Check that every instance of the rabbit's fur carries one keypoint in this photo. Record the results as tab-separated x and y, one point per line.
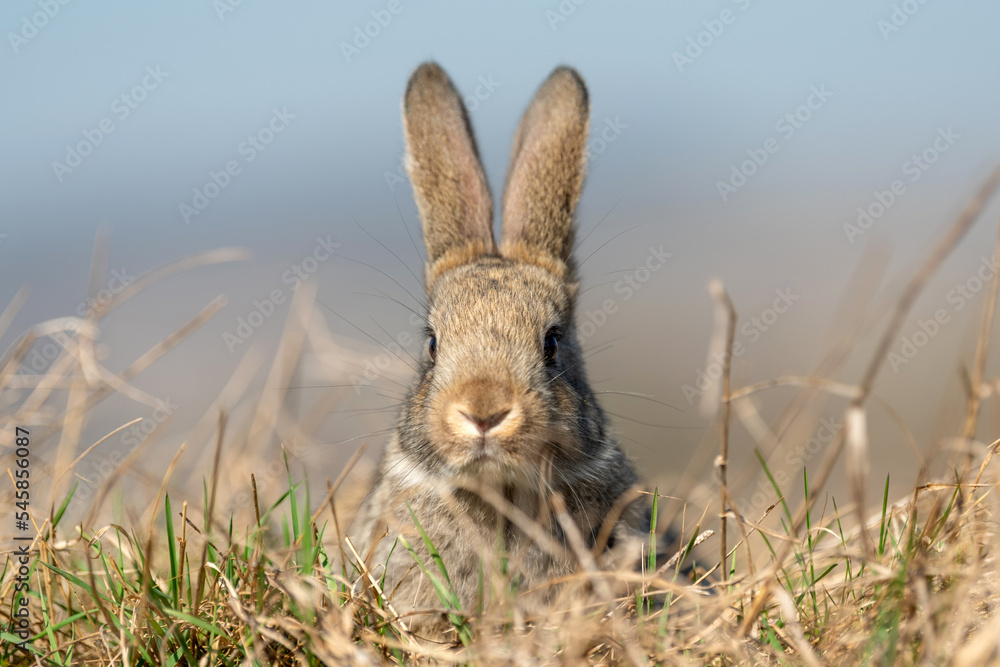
490	411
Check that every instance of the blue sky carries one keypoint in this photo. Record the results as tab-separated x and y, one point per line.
227	70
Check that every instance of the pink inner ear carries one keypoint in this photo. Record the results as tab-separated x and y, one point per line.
447	177
479	205
546	174
515	214
543	187
527	178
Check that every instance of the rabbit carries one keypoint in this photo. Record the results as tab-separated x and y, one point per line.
501	414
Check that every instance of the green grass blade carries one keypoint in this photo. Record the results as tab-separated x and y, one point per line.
172	550
883	528
443	586
64	505
774	484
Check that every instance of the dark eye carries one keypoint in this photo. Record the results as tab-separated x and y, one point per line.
551	347
432	347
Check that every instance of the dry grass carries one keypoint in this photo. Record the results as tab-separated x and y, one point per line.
195	582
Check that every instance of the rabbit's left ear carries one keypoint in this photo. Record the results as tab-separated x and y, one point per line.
444	168
548	163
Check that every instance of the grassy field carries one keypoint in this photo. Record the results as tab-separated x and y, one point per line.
186	582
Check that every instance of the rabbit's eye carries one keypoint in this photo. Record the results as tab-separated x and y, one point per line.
432	346
551	346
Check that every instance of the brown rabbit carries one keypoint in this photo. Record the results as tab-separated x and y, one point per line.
501	408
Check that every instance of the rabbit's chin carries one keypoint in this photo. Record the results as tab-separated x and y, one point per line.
492	460
488	458
495	472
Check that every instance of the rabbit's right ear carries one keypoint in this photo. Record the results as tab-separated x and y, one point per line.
448	180
547	167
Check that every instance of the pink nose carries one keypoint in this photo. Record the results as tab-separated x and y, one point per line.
484	424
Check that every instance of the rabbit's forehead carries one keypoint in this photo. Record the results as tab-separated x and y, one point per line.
508	296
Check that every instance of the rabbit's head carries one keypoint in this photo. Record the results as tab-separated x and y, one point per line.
502	389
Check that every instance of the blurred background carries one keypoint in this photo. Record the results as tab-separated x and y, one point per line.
786	148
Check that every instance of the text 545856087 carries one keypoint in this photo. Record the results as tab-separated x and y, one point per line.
22	525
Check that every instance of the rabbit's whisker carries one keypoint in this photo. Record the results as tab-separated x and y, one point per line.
374	268
639	421
423	459
599	222
383	375
402	220
590	287
638	443
383	295
389	336
600	247
389	250
403	459
393	409
376	408
394	394
605	348
634	394
560	374
382	431
317	386
373	338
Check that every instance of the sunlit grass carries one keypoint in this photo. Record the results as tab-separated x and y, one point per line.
188	583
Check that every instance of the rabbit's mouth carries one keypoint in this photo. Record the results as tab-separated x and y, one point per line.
494	467
486	439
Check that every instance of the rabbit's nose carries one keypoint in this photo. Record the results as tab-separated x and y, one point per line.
484	424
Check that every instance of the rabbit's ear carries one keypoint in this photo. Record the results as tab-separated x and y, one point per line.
443	164
548	162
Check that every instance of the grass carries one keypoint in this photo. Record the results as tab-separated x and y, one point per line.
194	582
248	600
